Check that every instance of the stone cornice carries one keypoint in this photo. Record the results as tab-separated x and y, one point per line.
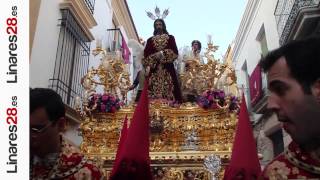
82	14
124	18
245	25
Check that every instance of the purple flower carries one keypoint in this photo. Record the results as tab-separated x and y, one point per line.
103	108
221	95
112	99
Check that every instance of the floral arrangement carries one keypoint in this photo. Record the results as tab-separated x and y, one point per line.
213	99
234	104
105	102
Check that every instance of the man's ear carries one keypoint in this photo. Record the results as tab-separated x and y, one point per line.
315	89
61	124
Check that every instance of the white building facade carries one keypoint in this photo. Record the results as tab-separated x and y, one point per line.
63	34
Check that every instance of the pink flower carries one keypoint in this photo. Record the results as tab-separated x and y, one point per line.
104	97
210	97
113	109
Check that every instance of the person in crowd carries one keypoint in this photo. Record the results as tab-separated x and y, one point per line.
196	50
293	73
139	82
51	155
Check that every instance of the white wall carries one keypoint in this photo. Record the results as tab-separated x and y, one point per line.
258	13
103	16
43	53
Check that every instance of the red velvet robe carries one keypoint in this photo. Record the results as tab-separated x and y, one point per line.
163	83
294	163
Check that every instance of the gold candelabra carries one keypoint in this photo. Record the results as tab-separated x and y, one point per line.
111	74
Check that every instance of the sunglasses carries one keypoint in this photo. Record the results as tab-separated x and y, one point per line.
40	128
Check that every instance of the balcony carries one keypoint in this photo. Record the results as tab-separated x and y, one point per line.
90	5
118	42
296	18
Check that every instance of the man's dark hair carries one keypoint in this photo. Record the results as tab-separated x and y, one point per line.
303	60
196	41
164	28
48	99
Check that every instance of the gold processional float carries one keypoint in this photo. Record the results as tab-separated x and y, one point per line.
189	141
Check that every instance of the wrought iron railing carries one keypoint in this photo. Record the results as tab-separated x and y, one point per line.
116	37
286	13
72	59
90	5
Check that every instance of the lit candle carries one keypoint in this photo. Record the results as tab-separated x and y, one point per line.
87	83
77	102
209	37
86	95
118	54
98	43
105	64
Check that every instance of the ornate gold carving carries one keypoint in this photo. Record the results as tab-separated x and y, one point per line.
172	130
150	61
160	41
169	56
200	77
161	86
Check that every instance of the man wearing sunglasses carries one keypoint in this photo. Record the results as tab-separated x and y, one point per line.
51	156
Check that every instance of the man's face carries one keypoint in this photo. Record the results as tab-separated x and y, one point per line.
195	46
42	131
298	112
159	26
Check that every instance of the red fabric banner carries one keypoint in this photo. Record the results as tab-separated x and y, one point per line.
125	51
255	82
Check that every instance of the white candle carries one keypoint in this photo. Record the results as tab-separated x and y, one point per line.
118	53
209	39
98	43
77	102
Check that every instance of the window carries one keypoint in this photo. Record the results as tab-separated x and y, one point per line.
72	59
261	38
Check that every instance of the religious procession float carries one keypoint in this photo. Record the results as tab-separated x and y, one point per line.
191	140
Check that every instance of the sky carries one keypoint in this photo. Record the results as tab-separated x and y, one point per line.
190	20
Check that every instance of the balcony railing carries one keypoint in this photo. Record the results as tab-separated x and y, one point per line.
286	13
115	39
90	5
